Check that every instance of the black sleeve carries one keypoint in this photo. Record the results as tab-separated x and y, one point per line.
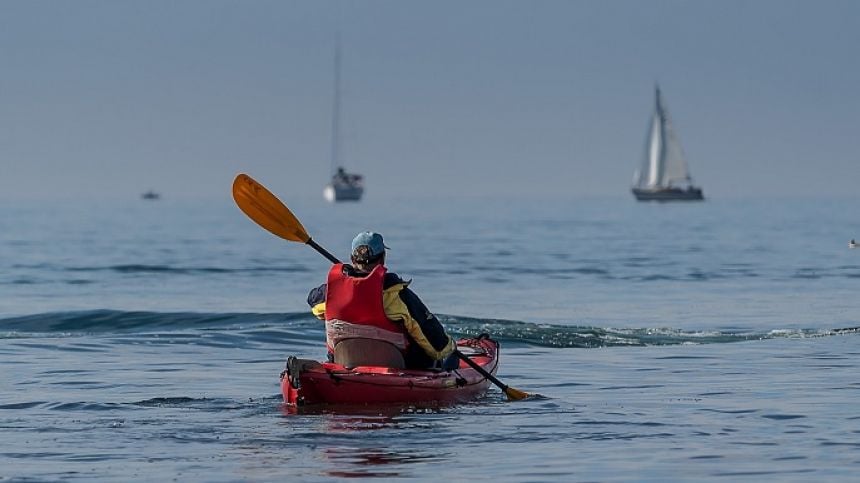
317	296
391	279
430	325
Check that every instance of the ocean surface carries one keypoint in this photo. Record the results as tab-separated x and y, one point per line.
716	341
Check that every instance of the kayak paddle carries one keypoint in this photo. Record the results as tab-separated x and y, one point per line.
512	393
270	213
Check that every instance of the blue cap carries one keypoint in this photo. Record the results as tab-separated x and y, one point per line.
372	240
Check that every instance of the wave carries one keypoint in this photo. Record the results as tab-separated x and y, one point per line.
168	269
632	269
116	321
551	335
626	274
303	326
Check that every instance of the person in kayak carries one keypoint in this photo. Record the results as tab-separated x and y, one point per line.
363	301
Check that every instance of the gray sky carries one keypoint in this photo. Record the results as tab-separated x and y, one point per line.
110	98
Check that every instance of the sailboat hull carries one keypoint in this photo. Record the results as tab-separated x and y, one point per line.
668	194
334	194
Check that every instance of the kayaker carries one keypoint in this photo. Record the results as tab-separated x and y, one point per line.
364	301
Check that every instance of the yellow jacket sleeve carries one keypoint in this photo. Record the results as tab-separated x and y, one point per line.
319	310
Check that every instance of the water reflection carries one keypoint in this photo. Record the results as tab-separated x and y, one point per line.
370	462
377	426
361	410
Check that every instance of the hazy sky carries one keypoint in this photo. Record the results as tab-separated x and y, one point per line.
110	98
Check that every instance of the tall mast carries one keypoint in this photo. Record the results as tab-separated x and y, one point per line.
335	116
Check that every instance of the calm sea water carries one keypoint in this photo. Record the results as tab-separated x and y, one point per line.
143	341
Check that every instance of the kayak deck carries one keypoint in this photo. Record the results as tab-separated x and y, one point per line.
310	382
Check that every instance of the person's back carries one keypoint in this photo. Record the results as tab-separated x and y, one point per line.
367	309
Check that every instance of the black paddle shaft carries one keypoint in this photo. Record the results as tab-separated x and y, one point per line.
474	365
322	251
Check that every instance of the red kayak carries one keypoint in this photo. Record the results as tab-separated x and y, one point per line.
311	382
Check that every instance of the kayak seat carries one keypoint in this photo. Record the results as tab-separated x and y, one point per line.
368	352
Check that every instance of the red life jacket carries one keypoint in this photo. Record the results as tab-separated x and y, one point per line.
353	309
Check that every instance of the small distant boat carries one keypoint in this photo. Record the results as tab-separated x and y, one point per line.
150	195
343	186
664	175
853	244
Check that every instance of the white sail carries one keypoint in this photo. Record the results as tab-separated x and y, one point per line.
674	166
664	163
655	150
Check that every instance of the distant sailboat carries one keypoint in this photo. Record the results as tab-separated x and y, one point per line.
664	175
343	186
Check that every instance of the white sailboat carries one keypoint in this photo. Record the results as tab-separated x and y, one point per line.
664	175
343	186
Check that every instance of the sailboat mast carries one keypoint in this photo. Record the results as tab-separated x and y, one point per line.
335	116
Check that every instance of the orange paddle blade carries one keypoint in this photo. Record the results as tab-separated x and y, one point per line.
267	210
515	394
